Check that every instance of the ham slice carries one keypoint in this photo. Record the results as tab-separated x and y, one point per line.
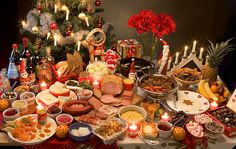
112	85
107	99
89	119
95	103
98	114
108	109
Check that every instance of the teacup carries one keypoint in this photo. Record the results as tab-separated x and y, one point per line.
164	129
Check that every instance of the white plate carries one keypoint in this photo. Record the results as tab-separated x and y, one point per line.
72	95
37	141
189	102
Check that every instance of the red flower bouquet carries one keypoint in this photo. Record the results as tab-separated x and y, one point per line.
152	26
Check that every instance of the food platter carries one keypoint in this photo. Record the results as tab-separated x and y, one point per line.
72	96
38	139
165	84
189	102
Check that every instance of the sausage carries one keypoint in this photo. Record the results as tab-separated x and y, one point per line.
66	107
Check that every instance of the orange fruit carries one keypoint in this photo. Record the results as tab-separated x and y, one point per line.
214	88
4	104
226	93
61	131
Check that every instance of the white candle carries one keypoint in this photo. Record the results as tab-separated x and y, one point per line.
55	8
177	57
185	51
201	52
165	117
48	35
43	86
79	44
55	40
169	63
206	62
87	22
194	46
96	84
67	14
96	59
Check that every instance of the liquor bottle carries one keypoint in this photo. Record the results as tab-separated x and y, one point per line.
45	72
12	72
132	69
30	70
26	52
17	56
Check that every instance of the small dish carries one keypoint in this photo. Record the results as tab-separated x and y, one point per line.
11	114
214	129
64	119
22	105
84	94
164	129
72	84
29	97
80	132
20	89
9	96
54	111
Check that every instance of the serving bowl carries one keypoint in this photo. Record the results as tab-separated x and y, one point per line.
84	94
22	88
75	128
214	129
142	66
132	114
29	97
64	119
157	84
22	105
9	96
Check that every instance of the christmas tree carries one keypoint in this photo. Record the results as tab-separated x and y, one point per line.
63	25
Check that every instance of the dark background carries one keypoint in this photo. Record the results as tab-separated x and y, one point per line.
196	20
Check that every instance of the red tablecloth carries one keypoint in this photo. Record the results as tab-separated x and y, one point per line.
66	143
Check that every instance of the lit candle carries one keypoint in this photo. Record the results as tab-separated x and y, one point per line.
79	44
82	16
177	57
133	130
55	40
206	62
169	63
201	52
23	24
48	35
165	117
213	105
96	84
96	59
43	86
87	22
64	8
55	8
35	29
67	14
194	46
185	51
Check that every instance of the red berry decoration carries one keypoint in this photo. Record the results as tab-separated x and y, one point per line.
97	2
99	25
53	26
39	7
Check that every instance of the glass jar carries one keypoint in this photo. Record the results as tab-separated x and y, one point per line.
45	72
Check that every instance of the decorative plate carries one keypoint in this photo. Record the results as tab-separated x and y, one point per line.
72	95
38	139
189	102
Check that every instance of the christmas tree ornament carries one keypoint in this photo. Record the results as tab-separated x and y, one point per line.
53	26
97	2
165	58
99	25
39	7
38	43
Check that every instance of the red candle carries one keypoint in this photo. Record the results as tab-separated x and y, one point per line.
133	130
213	105
165	117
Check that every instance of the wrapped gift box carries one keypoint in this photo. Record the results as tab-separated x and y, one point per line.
129	48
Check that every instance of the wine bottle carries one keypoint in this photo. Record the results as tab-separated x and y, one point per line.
17	56
26	54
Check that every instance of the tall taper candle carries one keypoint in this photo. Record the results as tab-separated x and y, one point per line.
177	58
194	46
67	14
55	8
79	44
55	40
201	52
185	51
169	63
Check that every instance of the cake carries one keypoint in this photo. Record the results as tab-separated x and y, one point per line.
47	99
149	131
59	89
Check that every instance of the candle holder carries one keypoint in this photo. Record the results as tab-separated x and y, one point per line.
165	117
133	130
43	85
96	84
213	105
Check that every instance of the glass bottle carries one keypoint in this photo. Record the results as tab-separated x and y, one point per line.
17	56
45	72
12	72
26	54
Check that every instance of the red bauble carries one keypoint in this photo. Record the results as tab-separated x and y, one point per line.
39	7
53	26
97	2
99	25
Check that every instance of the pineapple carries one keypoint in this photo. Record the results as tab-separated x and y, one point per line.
215	54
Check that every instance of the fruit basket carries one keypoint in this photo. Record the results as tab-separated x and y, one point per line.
226	117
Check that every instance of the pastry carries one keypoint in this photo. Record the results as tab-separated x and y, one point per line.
150	108
59	89
149	131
